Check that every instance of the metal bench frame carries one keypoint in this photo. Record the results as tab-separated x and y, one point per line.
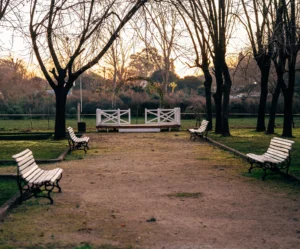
278	156
76	142
32	180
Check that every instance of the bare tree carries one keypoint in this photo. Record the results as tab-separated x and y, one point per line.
279	61
291	41
201	45
219	19
258	26
117	59
161	31
69	37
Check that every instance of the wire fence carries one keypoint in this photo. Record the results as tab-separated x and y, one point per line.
46	123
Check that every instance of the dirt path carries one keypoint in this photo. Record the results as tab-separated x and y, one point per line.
193	195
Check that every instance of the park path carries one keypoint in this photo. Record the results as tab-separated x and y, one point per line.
158	190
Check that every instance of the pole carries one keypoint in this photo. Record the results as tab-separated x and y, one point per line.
80	80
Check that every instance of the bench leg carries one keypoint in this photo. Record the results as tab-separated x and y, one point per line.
250	169
48	187
57	184
265	174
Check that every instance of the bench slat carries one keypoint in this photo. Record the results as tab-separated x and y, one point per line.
283	150
56	176
284	140
30	171
43	178
258	158
48	176
282	143
33	175
26	165
278	153
20	154
23	157
36	176
274	158
279	145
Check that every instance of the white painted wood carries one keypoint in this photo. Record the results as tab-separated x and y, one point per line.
139	130
112	117
163	116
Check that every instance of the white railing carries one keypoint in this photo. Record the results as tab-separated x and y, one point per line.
162	116
113	117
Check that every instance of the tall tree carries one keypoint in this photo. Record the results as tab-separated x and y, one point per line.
279	61
200	40
219	17
292	46
286	42
257	24
161	30
116	60
69	37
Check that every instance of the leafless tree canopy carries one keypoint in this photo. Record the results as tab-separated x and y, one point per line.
71	36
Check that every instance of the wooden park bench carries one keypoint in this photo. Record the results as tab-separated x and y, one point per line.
76	142
276	157
200	132
32	180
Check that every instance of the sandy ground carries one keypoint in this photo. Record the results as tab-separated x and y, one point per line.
158	190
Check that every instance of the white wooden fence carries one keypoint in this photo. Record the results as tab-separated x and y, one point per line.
152	116
162	116
113	117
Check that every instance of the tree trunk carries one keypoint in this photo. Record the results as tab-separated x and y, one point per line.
280	69
265	70
272	114
218	99
207	84
60	116
288	115
226	100
288	94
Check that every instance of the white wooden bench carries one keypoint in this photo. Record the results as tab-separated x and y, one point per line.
200	132
276	157
32	180
76	142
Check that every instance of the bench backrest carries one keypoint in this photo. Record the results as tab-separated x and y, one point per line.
72	133
280	148
203	126
26	164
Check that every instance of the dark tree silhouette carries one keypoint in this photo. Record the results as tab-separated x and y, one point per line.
69	37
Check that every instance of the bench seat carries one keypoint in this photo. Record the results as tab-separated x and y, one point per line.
32	180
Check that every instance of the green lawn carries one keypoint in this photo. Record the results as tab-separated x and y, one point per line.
45	125
42	149
248	140
8	187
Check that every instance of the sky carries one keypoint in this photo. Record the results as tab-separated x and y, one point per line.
22	49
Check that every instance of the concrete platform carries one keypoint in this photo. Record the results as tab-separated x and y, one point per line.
139	127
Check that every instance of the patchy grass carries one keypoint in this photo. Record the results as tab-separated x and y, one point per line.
58	246
45	125
42	149
248	140
186	195
8	188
